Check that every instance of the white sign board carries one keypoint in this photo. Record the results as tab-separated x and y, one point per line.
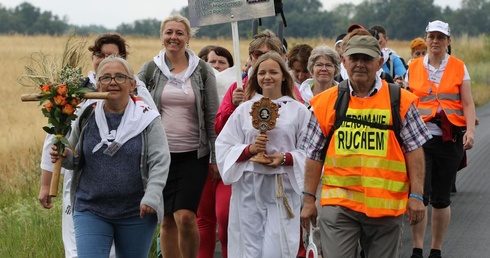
208	12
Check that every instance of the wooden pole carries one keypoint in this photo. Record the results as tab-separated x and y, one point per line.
55	177
87	95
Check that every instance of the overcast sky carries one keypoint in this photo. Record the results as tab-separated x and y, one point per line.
111	13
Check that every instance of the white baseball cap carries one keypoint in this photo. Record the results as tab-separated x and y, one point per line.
438	26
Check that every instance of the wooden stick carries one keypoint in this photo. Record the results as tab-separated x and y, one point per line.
55	178
87	95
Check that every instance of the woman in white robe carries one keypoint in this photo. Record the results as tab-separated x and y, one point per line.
265	203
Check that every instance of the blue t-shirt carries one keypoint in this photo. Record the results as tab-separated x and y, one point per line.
398	66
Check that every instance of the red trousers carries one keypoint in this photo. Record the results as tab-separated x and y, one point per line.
213	211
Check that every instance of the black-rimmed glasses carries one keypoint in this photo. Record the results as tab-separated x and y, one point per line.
319	65
107	79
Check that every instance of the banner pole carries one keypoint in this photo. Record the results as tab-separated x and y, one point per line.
236	49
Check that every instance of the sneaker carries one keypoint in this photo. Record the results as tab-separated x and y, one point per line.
416	256
435	256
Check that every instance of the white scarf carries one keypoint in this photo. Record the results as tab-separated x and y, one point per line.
193	63
137	116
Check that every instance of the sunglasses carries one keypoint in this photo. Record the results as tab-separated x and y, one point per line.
257	53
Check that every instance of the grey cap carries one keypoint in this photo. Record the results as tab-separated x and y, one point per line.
361	44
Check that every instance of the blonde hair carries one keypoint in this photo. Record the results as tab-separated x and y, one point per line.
179	18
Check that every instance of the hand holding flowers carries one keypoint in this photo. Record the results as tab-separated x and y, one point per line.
60	94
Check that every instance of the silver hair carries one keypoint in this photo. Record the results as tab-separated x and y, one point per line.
328	53
113	58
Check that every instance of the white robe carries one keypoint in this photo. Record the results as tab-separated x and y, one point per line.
258	223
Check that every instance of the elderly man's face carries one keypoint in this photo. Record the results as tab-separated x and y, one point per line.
362	68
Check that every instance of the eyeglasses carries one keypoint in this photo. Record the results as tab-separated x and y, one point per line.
107	79
420	53
257	53
326	65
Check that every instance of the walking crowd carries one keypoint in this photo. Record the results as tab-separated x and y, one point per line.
334	146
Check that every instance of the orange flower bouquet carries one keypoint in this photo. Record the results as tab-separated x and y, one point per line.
60	94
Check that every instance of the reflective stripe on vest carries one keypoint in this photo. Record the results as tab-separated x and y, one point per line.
441	96
388	206
368	162
371	182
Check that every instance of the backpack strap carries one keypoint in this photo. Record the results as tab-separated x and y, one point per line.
204	69
340	108
204	78
338	78
395	93
392	66
150	76
86	114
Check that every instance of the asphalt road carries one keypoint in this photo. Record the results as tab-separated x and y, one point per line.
468	235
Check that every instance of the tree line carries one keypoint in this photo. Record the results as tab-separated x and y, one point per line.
403	19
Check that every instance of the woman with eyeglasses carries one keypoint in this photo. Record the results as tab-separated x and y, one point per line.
120	161
187	99
324	65
105	45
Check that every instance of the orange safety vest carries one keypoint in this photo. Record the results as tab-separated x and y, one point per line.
447	95
364	167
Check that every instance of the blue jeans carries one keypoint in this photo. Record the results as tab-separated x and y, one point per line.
94	235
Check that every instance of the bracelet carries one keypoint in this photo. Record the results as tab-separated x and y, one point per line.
310	194
416	196
283	158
